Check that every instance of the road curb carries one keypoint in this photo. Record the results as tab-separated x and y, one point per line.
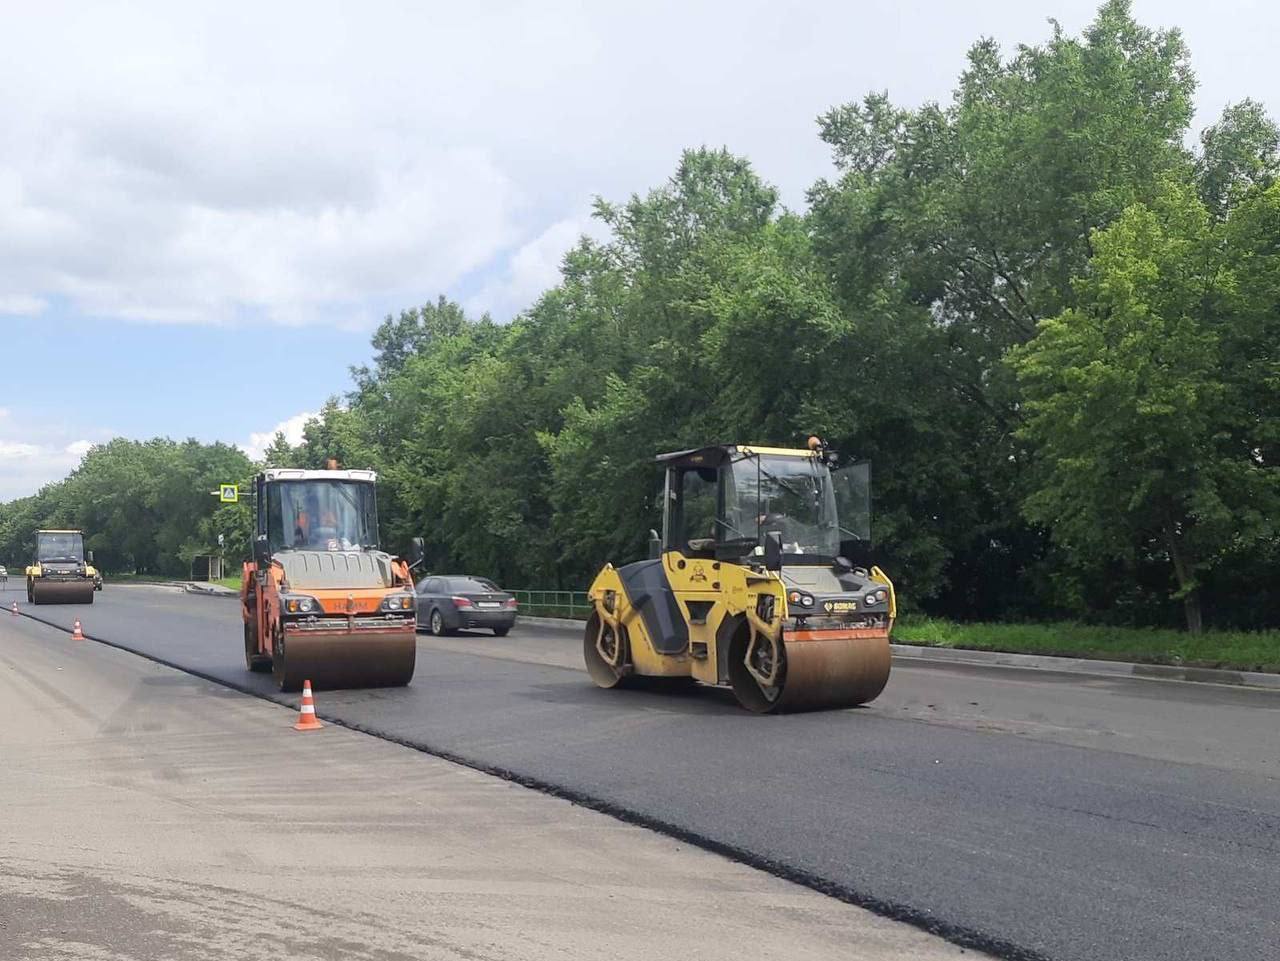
1090	666
209	590
561	623
1038	662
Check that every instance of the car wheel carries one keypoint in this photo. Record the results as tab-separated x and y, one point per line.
501	631
437	622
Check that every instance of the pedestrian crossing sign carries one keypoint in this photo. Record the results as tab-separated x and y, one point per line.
230	493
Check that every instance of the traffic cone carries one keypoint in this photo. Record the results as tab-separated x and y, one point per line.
76	633
14	610
307	720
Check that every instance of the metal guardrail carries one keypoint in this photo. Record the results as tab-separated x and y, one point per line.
553	603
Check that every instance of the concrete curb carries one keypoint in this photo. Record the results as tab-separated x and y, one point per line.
1097	668
212	590
560	623
1039	662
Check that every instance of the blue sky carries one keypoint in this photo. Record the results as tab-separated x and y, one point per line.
205	211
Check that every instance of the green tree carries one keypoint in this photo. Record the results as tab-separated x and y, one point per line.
951	231
1137	448
1239	154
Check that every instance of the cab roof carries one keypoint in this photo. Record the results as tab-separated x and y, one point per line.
297	474
716	454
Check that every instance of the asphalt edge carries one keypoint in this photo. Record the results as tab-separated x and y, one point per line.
1095	667
959	935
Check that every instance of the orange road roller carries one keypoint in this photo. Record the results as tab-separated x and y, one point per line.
321	600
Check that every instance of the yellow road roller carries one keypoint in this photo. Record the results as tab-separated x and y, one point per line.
753	584
61	572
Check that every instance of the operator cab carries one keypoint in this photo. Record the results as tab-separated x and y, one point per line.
732	503
318	510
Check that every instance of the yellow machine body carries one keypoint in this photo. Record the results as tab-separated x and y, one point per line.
811	633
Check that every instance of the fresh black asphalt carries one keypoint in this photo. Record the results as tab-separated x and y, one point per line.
1019	846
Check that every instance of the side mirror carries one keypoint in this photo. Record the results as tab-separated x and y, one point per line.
89	557
655	546
419	552
262	552
773	551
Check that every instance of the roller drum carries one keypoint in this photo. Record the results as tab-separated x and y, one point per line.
335	661
819	673
44	591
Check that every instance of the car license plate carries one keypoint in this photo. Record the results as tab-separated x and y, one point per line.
489	604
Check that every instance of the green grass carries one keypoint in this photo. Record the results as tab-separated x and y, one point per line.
1234	650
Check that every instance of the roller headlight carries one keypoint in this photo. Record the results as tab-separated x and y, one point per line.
301	605
800	598
397	602
870	598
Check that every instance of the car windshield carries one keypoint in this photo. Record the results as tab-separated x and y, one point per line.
59	546
472	585
321	515
791	495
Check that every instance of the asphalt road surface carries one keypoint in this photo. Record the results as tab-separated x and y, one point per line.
150	814
1031	814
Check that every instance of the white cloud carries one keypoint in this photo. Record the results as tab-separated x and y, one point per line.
36	450
21	305
291	428
322	162
534	266
11	450
26	467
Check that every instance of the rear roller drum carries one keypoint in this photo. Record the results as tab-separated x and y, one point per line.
605	651
254	659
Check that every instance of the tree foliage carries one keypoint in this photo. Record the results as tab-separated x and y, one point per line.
145	506
1049	324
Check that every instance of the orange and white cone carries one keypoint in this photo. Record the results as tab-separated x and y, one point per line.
14	610
76	633
307	720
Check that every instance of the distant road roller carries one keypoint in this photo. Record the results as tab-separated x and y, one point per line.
61	572
753	584
321	600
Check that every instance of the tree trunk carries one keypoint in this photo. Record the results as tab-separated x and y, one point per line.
1183	569
1191	605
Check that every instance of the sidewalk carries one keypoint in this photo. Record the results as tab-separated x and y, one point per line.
154	815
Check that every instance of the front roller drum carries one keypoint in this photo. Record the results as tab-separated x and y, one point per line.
61	592
335	661
811	674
